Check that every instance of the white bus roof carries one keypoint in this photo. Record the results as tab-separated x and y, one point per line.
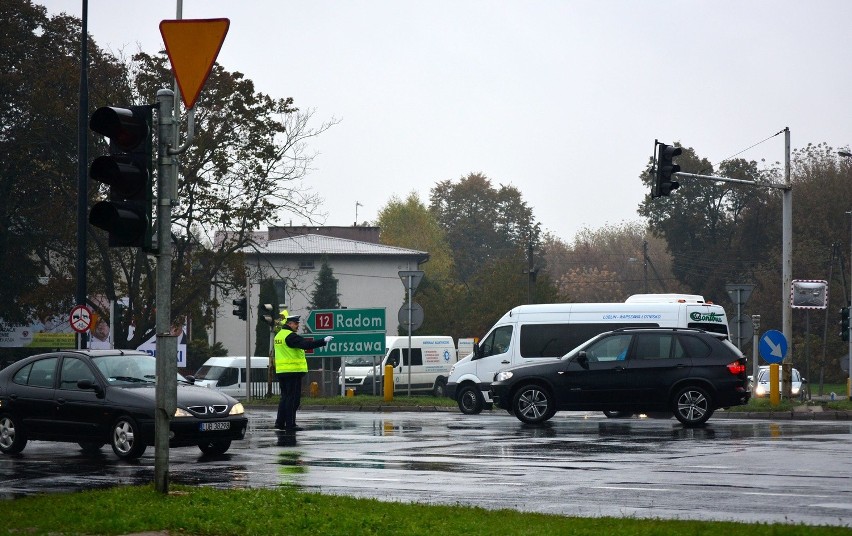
665	298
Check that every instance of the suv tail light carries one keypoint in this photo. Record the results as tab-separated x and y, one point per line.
737	367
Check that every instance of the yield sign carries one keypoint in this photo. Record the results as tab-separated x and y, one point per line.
410	278
192	46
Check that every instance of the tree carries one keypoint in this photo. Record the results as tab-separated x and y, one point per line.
608	264
325	295
410	224
483	224
242	171
701	222
38	171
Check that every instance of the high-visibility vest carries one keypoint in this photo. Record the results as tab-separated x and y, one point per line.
288	359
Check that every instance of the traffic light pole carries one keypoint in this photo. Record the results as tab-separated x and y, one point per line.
849	303
166	389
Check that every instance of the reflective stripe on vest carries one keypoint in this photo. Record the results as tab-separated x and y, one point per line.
288	359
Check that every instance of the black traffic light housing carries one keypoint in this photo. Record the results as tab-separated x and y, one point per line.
241	310
269	313
126	215
663	183
844	324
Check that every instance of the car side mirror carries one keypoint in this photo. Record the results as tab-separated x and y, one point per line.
190	379
583	359
477	351
87	384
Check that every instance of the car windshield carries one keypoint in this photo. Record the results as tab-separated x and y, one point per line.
207	372
763	375
137	369
127	369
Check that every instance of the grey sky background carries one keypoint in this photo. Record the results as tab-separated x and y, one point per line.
562	99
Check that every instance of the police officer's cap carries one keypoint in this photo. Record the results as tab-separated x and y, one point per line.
295	318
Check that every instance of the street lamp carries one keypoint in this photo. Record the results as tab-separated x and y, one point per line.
849	379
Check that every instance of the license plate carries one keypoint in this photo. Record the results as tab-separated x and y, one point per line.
208	426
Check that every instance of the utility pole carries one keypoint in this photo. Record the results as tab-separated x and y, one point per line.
166	389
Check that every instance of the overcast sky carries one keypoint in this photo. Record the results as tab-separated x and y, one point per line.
561	99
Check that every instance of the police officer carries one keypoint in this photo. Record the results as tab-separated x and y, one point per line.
290	367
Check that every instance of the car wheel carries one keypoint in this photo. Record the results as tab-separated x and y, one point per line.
440	389
215	447
470	400
12	436
125	442
613	414
533	405
90	447
692	406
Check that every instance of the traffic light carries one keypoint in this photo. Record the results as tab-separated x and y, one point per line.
663	183
126	215
844	324
270	313
267	313
241	310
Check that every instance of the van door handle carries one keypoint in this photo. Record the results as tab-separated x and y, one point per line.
505	362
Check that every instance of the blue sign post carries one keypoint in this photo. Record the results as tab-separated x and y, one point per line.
772	346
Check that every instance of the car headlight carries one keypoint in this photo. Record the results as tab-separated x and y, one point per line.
180	412
238	409
795	389
760	390
503	376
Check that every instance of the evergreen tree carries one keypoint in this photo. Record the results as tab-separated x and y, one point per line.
325	295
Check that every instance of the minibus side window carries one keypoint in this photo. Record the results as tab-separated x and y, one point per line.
228	377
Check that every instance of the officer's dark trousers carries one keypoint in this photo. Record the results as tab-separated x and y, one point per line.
291	398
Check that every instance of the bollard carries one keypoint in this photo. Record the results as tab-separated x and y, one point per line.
774	392
388	383
350	392
314	389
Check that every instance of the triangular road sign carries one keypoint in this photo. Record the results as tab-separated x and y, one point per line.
192	46
411	278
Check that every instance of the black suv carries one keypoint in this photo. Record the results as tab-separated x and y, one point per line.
688	372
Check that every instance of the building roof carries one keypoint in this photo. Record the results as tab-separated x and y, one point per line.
312	244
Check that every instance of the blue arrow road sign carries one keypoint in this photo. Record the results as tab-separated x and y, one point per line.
772	346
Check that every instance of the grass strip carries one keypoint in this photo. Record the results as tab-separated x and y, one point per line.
207	511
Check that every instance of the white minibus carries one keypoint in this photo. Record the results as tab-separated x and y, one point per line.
528	333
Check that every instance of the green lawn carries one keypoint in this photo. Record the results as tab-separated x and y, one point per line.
206	511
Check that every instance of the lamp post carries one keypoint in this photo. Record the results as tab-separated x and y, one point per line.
847	154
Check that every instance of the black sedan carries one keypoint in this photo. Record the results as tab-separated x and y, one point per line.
687	372
97	397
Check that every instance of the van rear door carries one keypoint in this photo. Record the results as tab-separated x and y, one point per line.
707	317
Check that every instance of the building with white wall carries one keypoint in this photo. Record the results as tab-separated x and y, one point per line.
367	275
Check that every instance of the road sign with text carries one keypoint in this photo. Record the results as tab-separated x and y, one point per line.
350	344
346	320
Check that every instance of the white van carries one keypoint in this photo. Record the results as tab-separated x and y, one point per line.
530	333
432	357
228	374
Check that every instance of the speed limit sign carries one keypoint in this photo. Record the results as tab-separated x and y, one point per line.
80	319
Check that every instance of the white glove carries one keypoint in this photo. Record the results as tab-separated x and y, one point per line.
328	339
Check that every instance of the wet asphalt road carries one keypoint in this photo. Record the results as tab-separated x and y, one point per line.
578	464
